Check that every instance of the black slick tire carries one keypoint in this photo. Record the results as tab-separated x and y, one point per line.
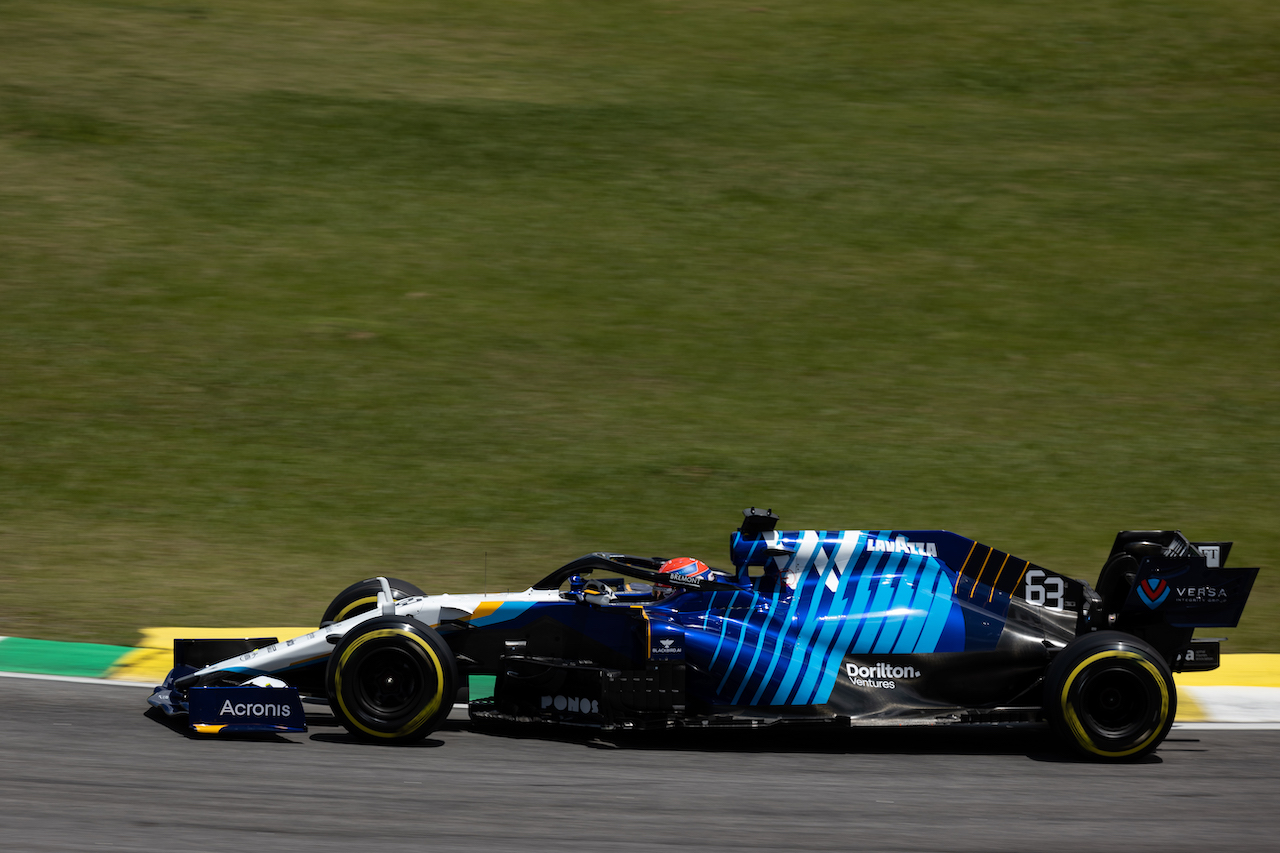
391	680
1110	696
362	596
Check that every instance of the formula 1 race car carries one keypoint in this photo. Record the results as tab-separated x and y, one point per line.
835	627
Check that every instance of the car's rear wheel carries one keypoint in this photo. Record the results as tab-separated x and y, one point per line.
391	680
1110	696
362	596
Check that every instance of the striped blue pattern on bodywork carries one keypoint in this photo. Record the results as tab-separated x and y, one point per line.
783	645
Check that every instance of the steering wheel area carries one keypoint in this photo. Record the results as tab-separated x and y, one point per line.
639	577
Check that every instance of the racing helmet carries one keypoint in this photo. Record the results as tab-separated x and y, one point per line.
683	567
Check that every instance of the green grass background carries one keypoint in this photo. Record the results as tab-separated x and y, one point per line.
294	293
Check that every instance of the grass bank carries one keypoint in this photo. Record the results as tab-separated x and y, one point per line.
298	293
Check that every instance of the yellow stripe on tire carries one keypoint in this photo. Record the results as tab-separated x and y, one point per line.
432	706
346	611
1073	722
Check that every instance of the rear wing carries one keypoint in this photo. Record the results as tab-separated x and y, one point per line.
1191	591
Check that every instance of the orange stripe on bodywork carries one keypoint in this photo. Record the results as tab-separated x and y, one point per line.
1021	575
485	608
964	566
997	580
648	630
978	579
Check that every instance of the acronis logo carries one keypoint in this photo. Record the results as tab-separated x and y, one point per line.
1153	592
255	709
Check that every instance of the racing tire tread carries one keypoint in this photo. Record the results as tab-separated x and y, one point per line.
1110	696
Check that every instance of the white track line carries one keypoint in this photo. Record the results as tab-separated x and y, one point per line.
76	679
1226	727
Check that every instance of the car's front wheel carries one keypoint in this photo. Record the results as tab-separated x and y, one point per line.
362	596
391	680
1110	696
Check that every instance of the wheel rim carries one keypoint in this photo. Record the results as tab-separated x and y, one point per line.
1116	702
391	683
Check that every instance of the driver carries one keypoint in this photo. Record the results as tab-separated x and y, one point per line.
685	567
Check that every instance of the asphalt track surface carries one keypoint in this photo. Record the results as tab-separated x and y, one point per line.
82	767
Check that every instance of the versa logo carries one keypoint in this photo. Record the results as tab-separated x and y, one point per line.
1153	592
